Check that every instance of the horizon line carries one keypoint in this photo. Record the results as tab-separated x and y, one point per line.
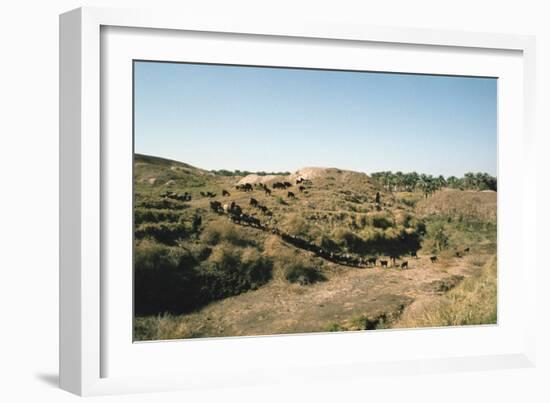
251	172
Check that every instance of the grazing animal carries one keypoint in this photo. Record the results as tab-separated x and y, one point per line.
183	197
384	263
232	208
225	193
371	260
267	191
291	195
253	221
467	250
237	209
299	180
433	259
287	184
197	221
264	209
216	206
253	202
236	218
457	254
246	187
301	188
405	265
413	254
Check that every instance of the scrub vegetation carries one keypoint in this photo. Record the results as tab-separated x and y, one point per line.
227	253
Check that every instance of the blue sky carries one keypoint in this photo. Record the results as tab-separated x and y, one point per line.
275	119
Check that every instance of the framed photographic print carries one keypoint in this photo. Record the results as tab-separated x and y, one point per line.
237	198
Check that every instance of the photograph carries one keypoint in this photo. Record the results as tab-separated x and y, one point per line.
271	200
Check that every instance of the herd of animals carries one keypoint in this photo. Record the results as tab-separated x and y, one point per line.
237	216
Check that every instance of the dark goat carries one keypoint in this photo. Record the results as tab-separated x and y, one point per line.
264	209
183	197
216	206
433	259
291	195
246	187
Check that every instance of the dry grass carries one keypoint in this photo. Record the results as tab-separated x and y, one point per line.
472	302
468	204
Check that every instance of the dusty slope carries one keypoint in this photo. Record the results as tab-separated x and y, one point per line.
351	300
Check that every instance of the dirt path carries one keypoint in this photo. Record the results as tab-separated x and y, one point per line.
350	299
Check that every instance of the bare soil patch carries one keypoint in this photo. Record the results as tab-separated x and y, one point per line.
352	299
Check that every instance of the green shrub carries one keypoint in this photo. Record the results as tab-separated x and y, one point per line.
409	202
142	215
297	225
175	280
334	327
163	232
163	278
223	231
298	272
420	228
328	244
161	204
349	240
382	222
439	235
230	270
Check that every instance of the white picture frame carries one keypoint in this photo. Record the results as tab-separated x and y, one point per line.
85	172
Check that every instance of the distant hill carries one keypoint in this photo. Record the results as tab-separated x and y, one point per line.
159	171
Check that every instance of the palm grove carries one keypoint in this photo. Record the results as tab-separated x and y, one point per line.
428	184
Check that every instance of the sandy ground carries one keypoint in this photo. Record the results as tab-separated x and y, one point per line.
349	297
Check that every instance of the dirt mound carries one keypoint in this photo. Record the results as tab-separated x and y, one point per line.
253	179
316	172
313	172
309	173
